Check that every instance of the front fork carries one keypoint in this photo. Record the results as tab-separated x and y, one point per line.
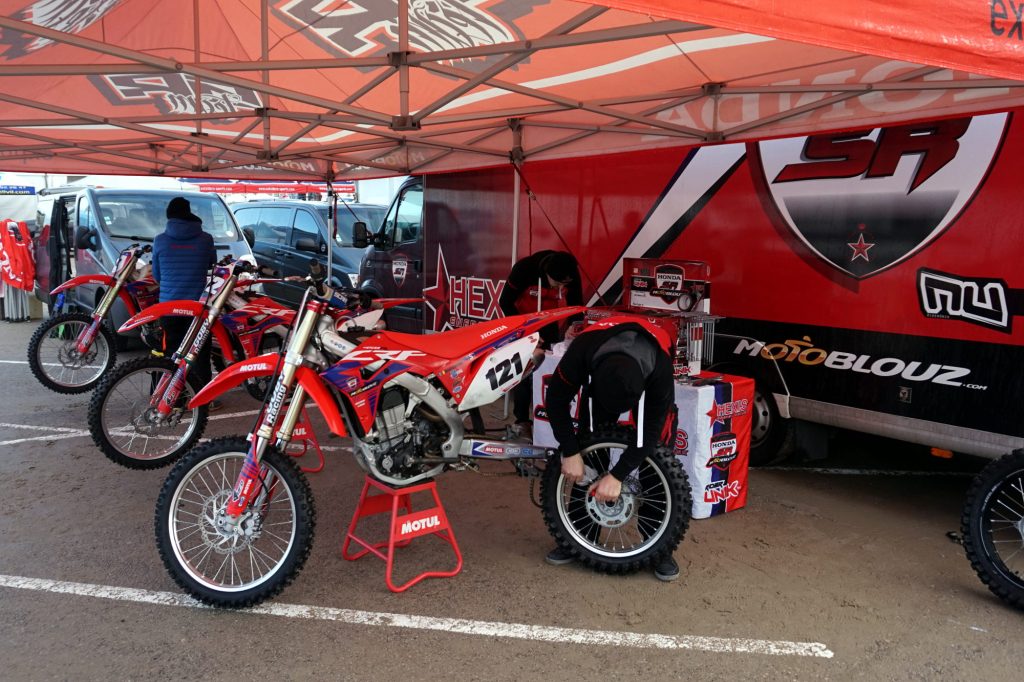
169	389
254	485
88	335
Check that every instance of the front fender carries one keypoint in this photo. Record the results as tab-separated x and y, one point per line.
167	308
265	365
233	375
81	280
183	309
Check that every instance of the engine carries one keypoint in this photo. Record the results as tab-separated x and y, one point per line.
407	435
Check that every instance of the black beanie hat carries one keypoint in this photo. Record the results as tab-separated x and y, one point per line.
617	383
560	266
179	208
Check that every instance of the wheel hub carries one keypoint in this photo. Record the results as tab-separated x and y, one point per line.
70	357
223	533
612	514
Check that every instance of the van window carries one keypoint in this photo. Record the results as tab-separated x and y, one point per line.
142	216
305	226
403	221
248	217
85	214
274	225
371	215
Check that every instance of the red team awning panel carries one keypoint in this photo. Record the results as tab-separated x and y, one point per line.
304	89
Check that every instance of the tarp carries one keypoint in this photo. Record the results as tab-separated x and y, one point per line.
302	89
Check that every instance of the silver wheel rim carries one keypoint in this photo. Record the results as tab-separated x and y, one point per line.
1003	521
59	360
628	527
762	420
237	563
124	423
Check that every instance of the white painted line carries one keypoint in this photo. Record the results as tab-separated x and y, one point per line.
868	472
39	428
537	633
48	364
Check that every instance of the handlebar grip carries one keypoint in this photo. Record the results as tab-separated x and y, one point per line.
148	248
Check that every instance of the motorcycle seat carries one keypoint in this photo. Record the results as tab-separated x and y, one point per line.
453	344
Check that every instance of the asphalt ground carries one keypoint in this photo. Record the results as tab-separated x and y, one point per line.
830	572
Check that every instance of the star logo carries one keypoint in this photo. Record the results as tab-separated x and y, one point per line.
716	413
437	296
860	248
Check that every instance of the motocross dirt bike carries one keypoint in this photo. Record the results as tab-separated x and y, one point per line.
71	352
992	526
235	518
138	415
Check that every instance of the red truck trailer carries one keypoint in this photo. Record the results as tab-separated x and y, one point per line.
869	279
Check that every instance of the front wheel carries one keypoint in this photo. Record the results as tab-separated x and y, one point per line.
54	358
132	433
641	528
233	562
992	526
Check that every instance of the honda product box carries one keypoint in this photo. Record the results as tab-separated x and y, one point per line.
677	286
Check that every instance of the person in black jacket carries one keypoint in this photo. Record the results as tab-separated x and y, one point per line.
182	255
617	366
547	279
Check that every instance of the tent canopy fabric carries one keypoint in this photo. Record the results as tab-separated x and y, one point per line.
349	89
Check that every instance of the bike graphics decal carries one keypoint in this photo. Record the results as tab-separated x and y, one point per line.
864	202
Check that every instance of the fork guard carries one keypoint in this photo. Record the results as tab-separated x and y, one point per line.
266	365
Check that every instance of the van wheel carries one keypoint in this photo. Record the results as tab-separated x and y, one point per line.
769	432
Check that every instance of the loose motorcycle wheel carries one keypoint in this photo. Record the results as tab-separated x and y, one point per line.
638	530
128	430
255	558
992	526
56	362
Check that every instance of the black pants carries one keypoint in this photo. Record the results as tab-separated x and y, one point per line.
175	329
522	400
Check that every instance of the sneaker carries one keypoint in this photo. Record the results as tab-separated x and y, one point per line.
559	557
214	405
667	570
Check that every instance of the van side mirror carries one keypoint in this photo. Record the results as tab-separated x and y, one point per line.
250	236
85	238
360	235
307	244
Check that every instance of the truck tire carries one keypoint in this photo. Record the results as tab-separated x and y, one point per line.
992	526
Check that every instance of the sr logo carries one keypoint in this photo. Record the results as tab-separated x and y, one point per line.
863	202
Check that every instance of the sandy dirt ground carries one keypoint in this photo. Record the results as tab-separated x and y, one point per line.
821	576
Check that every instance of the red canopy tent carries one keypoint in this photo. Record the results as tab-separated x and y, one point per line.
304	89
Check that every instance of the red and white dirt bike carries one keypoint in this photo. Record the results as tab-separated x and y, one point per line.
71	352
138	415
235	517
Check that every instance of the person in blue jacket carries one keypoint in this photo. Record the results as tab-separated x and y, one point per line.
182	256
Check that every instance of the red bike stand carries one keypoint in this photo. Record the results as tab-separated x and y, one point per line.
303	435
403	527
